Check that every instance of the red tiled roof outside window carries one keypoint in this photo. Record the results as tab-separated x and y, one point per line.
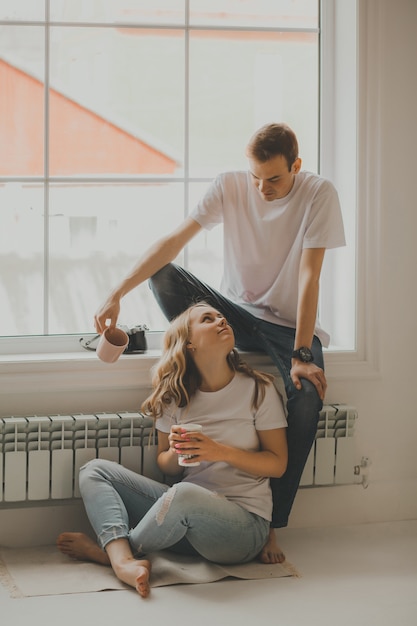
81	141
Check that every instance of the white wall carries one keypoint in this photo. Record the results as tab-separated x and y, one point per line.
384	394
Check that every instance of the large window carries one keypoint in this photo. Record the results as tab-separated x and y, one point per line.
114	117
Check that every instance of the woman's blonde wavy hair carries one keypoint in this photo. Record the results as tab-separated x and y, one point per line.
175	378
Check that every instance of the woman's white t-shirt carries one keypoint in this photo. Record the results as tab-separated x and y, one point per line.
263	241
227	417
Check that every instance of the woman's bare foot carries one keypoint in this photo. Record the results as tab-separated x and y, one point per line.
129	570
135	573
81	547
271	552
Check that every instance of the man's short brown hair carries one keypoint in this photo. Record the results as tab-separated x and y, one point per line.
272	140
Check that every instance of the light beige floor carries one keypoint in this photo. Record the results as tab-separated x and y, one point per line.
363	575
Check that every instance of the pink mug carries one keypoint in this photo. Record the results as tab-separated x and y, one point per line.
113	342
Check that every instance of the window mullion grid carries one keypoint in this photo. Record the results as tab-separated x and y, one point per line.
186	180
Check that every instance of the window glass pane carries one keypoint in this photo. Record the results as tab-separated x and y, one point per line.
22	10
116	101
242	80
97	233
255	13
123	11
21	258
205	252
21	100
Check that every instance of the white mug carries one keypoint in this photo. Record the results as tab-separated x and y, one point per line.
182	457
113	342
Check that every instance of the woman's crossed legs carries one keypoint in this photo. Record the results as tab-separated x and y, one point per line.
133	515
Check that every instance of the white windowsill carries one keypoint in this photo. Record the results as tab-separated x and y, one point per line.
66	366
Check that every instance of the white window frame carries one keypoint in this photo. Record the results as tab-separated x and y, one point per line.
42	355
363	362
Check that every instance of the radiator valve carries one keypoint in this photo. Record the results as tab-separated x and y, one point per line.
362	470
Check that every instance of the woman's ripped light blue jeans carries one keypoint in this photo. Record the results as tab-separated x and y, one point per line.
184	518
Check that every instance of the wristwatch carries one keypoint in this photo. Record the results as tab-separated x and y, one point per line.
303	354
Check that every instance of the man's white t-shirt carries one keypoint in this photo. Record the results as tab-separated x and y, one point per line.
263	241
227	417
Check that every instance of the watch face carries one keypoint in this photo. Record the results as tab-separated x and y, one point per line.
305	355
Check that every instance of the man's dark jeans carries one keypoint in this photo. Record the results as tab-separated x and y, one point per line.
175	290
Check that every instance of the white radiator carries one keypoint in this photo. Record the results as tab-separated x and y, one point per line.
332	457
40	457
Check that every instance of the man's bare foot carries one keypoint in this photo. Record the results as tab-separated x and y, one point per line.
271	552
81	547
135	573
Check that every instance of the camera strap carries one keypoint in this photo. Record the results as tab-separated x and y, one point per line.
86	343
